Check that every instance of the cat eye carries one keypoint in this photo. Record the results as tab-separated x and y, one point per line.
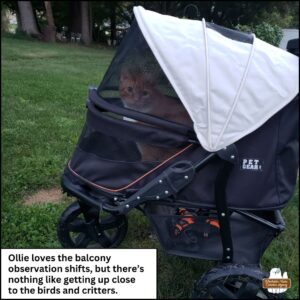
129	89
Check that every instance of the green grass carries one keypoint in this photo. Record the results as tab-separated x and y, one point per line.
44	88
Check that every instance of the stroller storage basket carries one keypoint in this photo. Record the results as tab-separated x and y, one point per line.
198	234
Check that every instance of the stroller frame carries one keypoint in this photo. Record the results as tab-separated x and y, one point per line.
163	189
213	219
237	268
166	185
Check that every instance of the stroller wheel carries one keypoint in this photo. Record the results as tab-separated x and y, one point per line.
232	281
105	230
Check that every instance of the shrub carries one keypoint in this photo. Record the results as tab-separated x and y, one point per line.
269	33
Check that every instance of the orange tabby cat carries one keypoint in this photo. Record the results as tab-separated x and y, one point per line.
138	91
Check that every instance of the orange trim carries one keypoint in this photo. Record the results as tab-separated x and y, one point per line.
136	180
182	211
213	222
189	220
178	227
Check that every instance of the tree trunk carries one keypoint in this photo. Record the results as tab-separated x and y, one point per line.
49	30
4	20
85	23
91	21
36	19
18	17
112	22
49	13
28	21
163	7
75	16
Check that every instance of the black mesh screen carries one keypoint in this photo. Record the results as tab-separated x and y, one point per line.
108	147
135	81
107	158
196	233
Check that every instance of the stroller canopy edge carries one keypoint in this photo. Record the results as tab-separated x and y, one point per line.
248	83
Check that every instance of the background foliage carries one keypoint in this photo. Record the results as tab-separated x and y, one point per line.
265	31
264	18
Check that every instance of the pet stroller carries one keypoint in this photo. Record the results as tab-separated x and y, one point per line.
196	126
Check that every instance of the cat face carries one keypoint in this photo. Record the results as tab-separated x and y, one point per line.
137	91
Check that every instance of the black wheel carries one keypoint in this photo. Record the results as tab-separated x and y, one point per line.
232	281
104	230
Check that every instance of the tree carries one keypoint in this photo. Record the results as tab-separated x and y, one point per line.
19	25
112	16
49	14
49	30
295	14
28	22
4	19
115	14
91	21
85	23
75	16
230	13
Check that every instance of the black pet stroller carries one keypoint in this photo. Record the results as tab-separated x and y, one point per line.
195	125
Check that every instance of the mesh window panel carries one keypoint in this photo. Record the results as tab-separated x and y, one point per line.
136	81
117	163
121	149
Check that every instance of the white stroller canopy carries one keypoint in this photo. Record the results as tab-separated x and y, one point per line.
229	88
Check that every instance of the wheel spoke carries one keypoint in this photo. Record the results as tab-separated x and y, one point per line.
248	290
221	292
110	223
104	240
78	225
82	240
242	289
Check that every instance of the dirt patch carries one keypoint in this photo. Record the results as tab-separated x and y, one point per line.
53	195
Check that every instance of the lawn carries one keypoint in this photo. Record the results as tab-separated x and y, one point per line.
44	88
